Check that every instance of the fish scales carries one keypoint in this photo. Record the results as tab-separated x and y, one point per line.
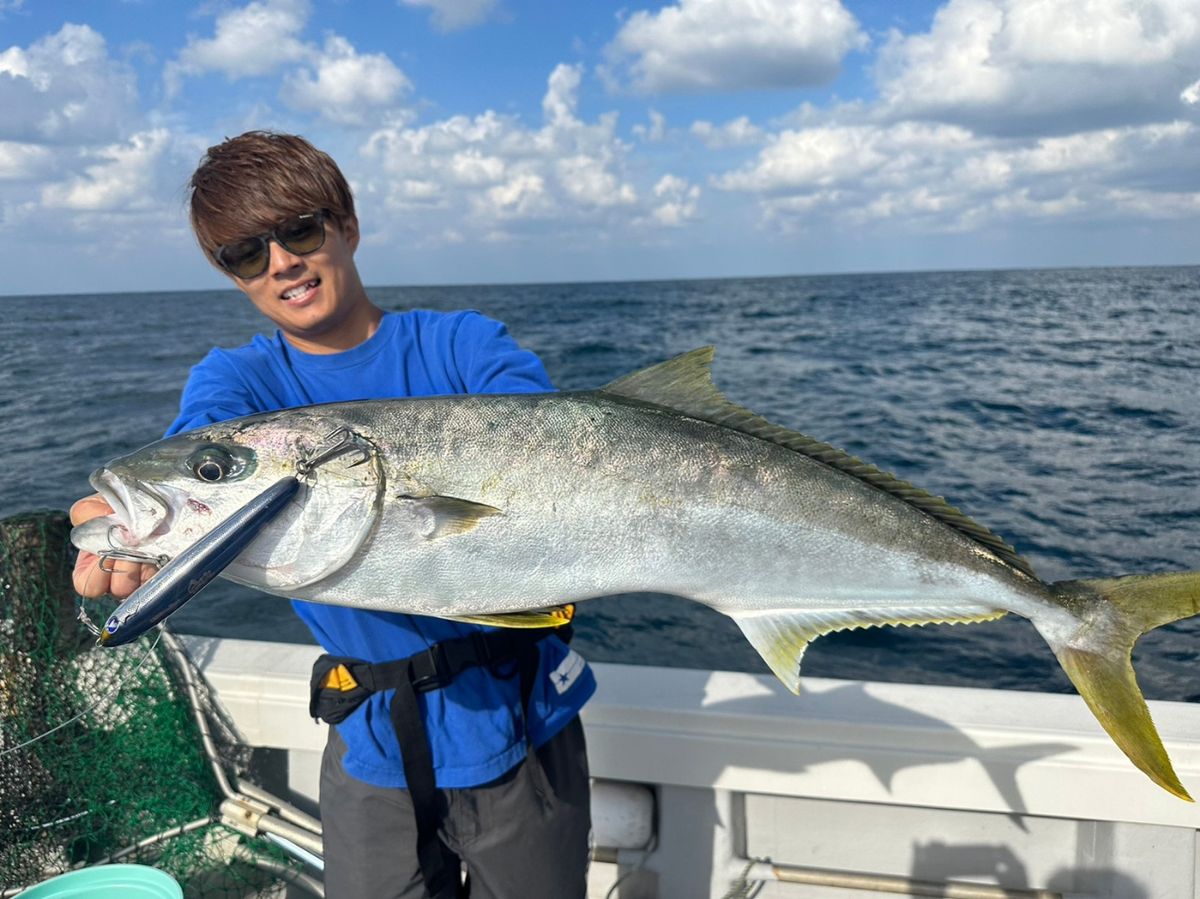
605	496
497	508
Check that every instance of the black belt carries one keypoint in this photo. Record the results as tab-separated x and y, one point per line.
340	685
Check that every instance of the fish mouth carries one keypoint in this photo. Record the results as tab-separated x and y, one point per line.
141	513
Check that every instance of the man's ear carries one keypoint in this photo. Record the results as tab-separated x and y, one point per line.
349	228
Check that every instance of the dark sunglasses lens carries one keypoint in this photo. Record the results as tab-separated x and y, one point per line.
246	258
303	235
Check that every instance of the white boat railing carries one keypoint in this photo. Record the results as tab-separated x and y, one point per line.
852	789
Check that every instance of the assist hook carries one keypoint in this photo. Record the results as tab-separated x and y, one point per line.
339	442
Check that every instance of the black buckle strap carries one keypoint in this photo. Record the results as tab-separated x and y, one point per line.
440	866
430	669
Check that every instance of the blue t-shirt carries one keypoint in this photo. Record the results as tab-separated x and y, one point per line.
475	725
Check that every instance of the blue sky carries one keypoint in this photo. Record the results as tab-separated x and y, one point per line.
530	140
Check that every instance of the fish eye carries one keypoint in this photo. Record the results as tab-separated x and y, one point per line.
212	464
210	470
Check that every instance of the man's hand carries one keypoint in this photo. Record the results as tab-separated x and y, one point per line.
90	579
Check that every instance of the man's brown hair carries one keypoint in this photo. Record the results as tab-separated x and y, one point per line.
248	184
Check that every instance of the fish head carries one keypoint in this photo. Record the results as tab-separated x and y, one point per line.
168	495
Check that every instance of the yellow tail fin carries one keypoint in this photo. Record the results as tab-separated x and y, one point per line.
1115	612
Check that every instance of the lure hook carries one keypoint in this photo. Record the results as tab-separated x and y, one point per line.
338	442
124	554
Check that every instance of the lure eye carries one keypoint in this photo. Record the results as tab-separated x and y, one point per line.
212	465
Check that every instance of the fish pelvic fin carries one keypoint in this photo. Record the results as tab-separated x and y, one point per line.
782	636
552	616
1097	658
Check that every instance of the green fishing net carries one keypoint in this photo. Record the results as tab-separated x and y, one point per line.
101	750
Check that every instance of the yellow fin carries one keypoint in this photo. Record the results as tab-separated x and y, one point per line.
1110	689
1114	612
782	636
553	616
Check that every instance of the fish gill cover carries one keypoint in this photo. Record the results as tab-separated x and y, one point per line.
100	750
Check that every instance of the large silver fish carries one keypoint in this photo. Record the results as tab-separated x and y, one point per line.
477	506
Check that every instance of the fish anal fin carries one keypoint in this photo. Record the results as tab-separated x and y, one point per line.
552	616
780	639
447	516
782	636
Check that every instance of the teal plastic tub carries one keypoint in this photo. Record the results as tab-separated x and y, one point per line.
107	882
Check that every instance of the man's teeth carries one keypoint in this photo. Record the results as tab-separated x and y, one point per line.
296	291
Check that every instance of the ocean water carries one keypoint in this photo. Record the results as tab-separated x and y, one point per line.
1059	408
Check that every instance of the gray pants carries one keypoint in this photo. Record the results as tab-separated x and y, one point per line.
523	836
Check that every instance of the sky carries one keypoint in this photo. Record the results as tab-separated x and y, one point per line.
502	141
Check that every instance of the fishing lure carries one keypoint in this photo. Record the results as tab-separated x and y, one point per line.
192	570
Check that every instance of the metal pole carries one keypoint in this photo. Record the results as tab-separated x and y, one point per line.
879	883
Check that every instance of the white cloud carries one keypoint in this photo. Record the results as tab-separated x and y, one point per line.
345	86
65	89
19	162
1191	94
335	81
677	201
727	45
656	130
739	132
562	95
494	179
521	196
472	167
587	180
123	177
937	177
1043	66
451	15
255	39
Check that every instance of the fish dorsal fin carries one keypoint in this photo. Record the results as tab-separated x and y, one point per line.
685	385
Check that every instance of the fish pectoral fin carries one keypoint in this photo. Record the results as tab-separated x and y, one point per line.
447	516
552	616
781	636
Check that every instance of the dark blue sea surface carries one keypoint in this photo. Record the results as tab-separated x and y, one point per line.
1059	408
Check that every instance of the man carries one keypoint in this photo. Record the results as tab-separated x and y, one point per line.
506	790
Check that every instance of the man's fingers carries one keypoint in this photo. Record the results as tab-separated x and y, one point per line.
88	508
118	577
89	578
126	577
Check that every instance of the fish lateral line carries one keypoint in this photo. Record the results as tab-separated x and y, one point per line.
684	384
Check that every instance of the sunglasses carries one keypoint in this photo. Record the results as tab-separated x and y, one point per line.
248	258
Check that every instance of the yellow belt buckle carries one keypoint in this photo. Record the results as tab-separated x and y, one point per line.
339	678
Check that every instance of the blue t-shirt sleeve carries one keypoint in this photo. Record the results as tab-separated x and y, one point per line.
214	392
489	360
